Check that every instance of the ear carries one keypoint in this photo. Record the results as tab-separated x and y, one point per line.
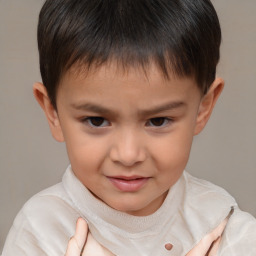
42	98
207	104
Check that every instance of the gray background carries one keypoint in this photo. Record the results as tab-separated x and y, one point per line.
30	160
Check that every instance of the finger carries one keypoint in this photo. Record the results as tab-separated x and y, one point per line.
93	247
72	249
76	243
81	232
215	247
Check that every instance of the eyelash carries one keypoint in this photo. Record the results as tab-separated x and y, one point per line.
88	121
167	121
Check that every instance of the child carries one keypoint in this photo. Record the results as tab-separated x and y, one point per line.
127	84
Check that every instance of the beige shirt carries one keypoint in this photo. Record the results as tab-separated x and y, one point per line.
197	218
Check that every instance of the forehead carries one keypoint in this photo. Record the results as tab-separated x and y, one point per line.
111	82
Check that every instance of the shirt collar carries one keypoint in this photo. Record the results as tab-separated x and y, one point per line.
98	212
192	209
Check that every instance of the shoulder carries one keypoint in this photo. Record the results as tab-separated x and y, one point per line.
209	194
206	205
211	204
201	185
239	237
45	222
48	203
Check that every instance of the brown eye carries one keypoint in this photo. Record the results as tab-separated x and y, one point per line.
97	121
158	121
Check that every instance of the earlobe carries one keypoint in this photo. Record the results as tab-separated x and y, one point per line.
42	98
207	104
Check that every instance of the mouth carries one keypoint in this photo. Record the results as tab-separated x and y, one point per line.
128	184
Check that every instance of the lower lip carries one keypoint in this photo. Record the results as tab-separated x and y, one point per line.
128	185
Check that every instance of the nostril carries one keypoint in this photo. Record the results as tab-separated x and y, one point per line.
127	157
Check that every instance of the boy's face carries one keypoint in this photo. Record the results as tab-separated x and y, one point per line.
128	136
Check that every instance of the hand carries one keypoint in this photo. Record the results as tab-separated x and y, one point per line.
209	245
83	243
77	242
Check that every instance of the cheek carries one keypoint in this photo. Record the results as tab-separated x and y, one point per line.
173	153
86	161
85	152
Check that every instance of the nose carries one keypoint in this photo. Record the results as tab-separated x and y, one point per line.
128	149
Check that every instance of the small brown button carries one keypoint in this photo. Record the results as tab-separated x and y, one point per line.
168	246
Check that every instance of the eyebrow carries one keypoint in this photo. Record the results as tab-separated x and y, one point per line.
93	108
101	110
162	108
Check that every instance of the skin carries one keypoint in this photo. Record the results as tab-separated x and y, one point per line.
145	130
208	246
77	246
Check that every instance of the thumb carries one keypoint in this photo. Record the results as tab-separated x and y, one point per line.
77	242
